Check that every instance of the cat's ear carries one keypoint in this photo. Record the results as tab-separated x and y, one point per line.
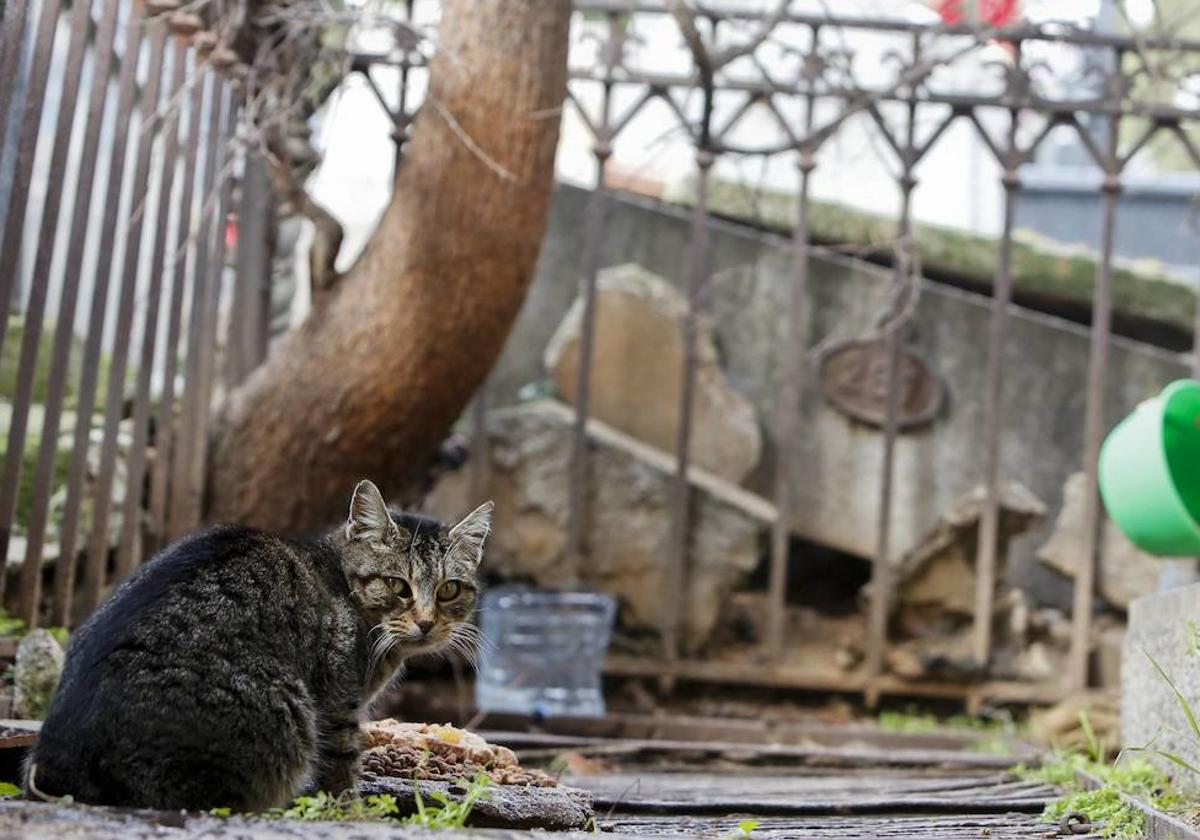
369	518
468	535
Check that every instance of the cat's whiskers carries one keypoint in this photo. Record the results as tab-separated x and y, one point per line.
381	647
466	640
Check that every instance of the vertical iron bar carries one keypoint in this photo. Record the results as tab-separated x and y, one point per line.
252	290
595	224
47	457
674	583
223	128
95	570
64	570
993	420
1081	613
131	519
165	426
881	573
595	227
787	407
179	517
12	28
27	143
35	311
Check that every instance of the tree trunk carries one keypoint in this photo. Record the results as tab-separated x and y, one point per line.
369	385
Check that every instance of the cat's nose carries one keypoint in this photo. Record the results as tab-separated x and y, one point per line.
424	625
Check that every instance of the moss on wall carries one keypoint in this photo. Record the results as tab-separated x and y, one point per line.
971	260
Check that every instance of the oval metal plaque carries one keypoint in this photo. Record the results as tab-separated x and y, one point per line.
854	381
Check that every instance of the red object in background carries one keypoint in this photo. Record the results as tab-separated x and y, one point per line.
231	233
991	12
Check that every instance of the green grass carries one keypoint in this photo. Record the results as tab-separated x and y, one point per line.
445	812
12	627
995	735
1135	777
10	355
29	458
325	807
441	812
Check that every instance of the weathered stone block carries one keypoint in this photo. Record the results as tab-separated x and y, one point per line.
628	520
637	372
1162	625
36	673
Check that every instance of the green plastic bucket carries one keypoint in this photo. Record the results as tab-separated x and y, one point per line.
1150	472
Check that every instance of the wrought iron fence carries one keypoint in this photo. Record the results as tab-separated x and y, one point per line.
164	202
108	106
1129	91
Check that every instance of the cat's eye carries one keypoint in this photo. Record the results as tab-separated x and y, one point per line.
449	590
399	587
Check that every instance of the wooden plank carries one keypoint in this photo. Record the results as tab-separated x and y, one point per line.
751	504
785	755
1006	826
685	792
827	679
518	732
899	780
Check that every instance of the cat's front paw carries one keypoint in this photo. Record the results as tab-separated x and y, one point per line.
341	782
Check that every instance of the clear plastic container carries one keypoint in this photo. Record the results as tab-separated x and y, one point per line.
542	651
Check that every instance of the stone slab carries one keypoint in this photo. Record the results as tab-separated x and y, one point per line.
559	808
1162	625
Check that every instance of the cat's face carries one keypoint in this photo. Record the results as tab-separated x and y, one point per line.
413	579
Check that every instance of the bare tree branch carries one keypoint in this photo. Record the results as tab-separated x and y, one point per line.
733	53
707	64
685	19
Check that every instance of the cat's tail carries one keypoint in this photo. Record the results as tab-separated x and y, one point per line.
31	788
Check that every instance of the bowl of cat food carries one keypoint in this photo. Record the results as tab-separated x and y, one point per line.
420	762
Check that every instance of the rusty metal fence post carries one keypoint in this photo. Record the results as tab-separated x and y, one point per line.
155	124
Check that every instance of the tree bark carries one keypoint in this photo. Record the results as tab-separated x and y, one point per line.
371	384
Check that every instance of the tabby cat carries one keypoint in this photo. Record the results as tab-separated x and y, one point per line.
231	670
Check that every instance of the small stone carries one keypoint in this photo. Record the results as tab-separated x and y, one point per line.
36	673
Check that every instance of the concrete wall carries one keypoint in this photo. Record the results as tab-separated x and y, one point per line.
840	459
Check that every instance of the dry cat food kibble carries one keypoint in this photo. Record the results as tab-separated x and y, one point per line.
441	753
